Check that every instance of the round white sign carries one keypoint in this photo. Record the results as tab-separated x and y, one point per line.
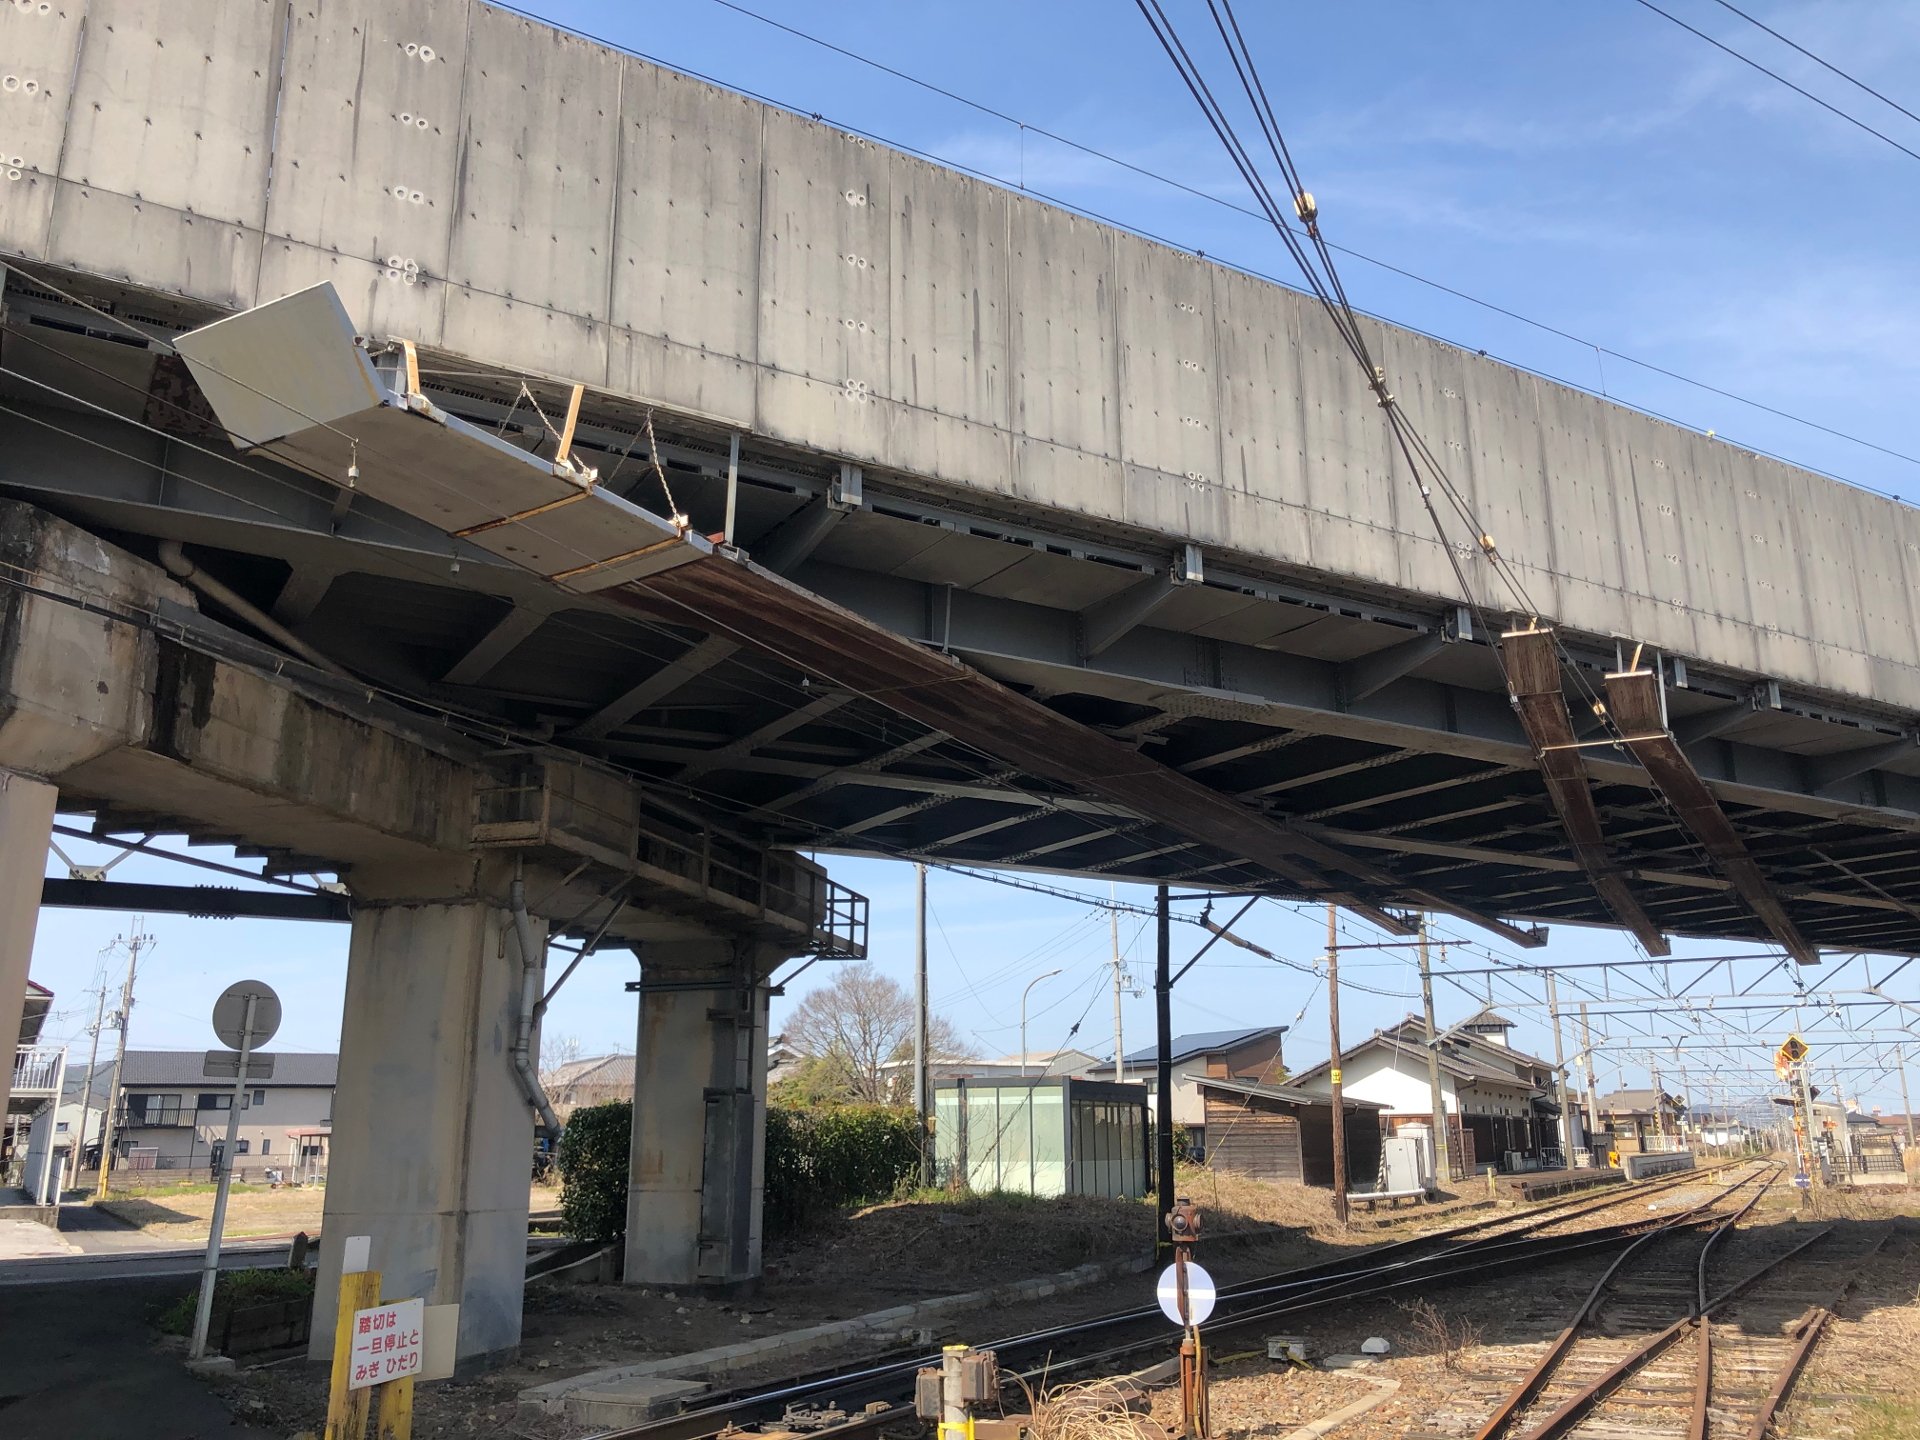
230	1013
1199	1294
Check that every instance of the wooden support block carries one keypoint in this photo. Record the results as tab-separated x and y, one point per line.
347	1409
396	1409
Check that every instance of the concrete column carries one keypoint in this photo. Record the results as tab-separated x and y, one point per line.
432	1144
26	827
699	1116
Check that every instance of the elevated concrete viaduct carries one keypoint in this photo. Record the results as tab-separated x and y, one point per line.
814	498
122	699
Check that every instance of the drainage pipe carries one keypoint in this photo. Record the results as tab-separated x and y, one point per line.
178	565
532	964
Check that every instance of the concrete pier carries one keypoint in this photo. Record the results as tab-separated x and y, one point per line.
26	825
432	1138
699	1115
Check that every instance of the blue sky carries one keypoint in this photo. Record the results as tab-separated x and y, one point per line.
1593	167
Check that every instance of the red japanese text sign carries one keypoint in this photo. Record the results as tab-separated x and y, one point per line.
386	1343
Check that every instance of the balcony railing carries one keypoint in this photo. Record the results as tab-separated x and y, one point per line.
36	1070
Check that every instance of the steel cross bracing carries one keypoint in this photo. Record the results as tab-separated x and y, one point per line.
1372	730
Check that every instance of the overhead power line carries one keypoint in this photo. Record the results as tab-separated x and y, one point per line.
1776	75
1851	80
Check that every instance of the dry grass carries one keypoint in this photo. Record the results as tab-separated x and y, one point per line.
184	1218
1447	1337
1230	1203
1092	1410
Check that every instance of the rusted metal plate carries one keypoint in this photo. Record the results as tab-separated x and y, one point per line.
1634	698
1533	675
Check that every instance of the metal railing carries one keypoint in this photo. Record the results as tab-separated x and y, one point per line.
562	807
36	1069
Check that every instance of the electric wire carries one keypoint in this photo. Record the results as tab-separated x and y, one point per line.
1775	75
1851	80
1149	235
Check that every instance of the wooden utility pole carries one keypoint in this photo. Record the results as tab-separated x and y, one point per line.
1442	1142
135	942
1163	1071
77	1152
1333	1073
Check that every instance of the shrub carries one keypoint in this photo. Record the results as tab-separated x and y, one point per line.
817	1159
235	1290
594	1150
823	1159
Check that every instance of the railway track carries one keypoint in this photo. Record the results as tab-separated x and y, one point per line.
1681	1339
861	1399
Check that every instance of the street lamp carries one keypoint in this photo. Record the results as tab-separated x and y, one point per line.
1023	1017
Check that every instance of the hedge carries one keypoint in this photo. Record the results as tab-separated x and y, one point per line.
593	1170
839	1155
817	1160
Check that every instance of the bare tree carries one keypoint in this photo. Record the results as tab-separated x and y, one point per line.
860	1023
557	1050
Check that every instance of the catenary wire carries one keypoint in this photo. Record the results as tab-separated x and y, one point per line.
1775	75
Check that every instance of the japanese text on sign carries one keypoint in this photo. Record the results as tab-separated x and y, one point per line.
386	1343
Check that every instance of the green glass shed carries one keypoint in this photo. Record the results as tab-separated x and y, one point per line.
1045	1135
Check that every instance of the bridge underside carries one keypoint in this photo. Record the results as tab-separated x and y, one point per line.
1365	747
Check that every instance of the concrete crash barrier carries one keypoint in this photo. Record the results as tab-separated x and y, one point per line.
1645	1167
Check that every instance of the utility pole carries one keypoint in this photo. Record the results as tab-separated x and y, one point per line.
1119	1050
1163	1070
1560	1073
1846	1130
135	942
78	1152
1906	1105
1442	1142
922	1090
1333	1040
1593	1096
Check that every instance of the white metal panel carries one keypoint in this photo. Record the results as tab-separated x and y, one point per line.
173	104
39	40
825	259
366	159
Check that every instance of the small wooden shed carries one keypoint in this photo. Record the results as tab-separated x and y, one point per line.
1278	1133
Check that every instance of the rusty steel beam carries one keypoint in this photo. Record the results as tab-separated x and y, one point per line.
748	604
1533	677
1634	698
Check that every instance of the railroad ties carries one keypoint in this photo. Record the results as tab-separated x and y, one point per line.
1633	1368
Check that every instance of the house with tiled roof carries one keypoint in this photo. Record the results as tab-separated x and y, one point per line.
1498	1101
1250	1054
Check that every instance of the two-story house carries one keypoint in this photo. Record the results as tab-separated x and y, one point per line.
1497	1099
172	1117
1252	1055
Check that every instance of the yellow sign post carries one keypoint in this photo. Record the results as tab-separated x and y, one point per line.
350	1398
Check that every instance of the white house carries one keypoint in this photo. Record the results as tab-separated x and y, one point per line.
1498	1100
172	1117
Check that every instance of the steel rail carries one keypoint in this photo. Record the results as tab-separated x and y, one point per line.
1496	1424
1810	1331
1575	1407
1335	1281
